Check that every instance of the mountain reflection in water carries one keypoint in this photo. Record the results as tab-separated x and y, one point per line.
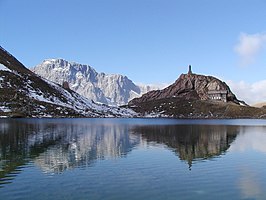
56	145
191	142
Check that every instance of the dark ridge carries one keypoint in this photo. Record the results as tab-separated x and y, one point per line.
12	63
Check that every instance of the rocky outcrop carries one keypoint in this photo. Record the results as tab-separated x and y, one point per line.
194	96
189	86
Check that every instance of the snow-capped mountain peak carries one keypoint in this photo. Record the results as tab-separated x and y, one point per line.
112	89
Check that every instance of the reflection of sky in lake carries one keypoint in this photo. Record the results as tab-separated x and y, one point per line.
250	184
249	148
250	139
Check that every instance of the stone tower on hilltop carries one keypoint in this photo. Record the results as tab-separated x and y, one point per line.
189	70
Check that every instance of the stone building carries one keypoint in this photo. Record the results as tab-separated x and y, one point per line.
218	95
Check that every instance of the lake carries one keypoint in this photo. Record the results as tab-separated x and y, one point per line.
132	159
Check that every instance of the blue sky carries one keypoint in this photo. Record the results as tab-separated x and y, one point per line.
150	41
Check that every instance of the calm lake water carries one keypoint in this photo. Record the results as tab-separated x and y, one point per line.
132	159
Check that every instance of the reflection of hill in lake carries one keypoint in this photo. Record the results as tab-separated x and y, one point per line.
13	149
56	145
191	142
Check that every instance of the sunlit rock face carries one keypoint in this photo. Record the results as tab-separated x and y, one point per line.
190	86
112	89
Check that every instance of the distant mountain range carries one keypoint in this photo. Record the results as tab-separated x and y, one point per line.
110	89
259	105
25	94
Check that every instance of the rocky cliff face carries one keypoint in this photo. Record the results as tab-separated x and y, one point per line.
111	89
189	86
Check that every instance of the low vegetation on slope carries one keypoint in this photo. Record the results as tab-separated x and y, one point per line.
199	109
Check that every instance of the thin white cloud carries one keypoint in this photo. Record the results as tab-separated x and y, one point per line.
249	46
251	93
153	86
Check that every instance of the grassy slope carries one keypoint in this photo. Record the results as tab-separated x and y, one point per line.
183	108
